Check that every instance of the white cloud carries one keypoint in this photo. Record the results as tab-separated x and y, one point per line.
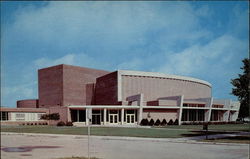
131	64
216	56
108	24
79	59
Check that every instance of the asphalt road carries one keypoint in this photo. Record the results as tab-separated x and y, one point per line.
41	146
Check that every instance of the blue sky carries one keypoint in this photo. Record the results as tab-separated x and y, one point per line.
205	40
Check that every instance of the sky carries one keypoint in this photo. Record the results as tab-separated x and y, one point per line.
205	39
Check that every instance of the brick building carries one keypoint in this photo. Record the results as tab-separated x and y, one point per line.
125	97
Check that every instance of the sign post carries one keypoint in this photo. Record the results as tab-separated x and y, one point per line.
89	117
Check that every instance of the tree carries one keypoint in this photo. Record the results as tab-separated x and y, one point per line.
241	89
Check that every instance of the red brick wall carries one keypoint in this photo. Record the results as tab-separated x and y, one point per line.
75	80
29	103
90	94
50	86
65	85
106	89
62	111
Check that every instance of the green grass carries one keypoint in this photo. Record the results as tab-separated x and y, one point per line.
99	131
166	132
224	127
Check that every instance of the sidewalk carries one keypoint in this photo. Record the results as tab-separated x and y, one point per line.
193	140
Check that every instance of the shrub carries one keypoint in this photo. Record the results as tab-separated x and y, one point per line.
60	123
69	124
53	116
170	122
144	122
176	122
164	122
157	123
151	123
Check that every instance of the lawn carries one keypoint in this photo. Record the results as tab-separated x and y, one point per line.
99	131
166	132
224	127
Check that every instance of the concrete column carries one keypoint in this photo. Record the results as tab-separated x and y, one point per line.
122	117
87	120
69	115
234	116
209	104
77	115
104	116
180	109
140	109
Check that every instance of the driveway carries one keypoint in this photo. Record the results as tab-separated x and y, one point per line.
48	146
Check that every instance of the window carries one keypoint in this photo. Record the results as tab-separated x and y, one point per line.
20	116
4	116
39	115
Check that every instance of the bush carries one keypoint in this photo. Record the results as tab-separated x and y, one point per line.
176	122
151	123
69	124
157	123
144	122
60	123
170	122
164	122
53	116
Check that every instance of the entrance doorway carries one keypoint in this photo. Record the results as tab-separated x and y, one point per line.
96	117
113	118
130	118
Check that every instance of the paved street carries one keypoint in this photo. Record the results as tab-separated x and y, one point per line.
41	146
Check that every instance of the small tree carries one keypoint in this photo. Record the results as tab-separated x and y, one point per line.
69	124
60	123
176	122
151	123
144	122
164	122
170	122
157	123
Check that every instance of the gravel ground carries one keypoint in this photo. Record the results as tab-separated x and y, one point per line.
48	146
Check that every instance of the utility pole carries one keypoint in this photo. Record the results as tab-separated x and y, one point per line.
89	122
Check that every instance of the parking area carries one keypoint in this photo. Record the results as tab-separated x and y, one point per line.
50	146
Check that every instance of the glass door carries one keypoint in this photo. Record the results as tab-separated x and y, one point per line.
130	118
113	118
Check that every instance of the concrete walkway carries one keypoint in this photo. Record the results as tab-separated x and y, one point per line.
50	146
